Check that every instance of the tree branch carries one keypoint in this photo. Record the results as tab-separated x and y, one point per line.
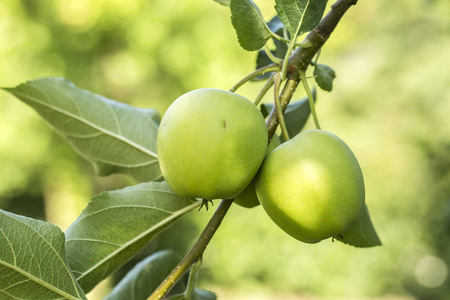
301	58
195	253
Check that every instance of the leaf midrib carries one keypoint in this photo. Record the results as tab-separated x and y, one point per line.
49	245
39	281
88	123
139	237
301	19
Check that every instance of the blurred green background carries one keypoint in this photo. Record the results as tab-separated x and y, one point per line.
390	103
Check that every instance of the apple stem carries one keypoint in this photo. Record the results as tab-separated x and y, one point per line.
271	56
261	71
285	97
310	97
278	108
264	90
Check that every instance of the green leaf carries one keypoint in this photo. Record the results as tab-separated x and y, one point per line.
361	233
145	277
300	16
33	261
115	137
197	294
295	116
200	294
324	76
263	60
116	225
148	274
249	24
223	2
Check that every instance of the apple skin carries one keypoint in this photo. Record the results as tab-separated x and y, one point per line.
311	186
248	197
211	144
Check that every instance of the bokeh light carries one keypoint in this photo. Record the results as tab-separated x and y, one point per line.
390	104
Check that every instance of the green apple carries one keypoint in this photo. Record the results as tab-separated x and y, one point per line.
211	143
311	186
248	197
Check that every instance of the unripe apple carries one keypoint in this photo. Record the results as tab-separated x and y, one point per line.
211	143
311	186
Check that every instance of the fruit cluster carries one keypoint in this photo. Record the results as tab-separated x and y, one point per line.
212	144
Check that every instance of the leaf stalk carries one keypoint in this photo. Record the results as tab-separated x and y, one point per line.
310	97
278	108
192	278
264	90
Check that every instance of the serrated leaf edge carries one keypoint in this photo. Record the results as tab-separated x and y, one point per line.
260	17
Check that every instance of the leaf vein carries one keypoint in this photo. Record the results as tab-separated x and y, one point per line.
50	246
92	125
40	281
139	237
93	240
10	246
122	207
